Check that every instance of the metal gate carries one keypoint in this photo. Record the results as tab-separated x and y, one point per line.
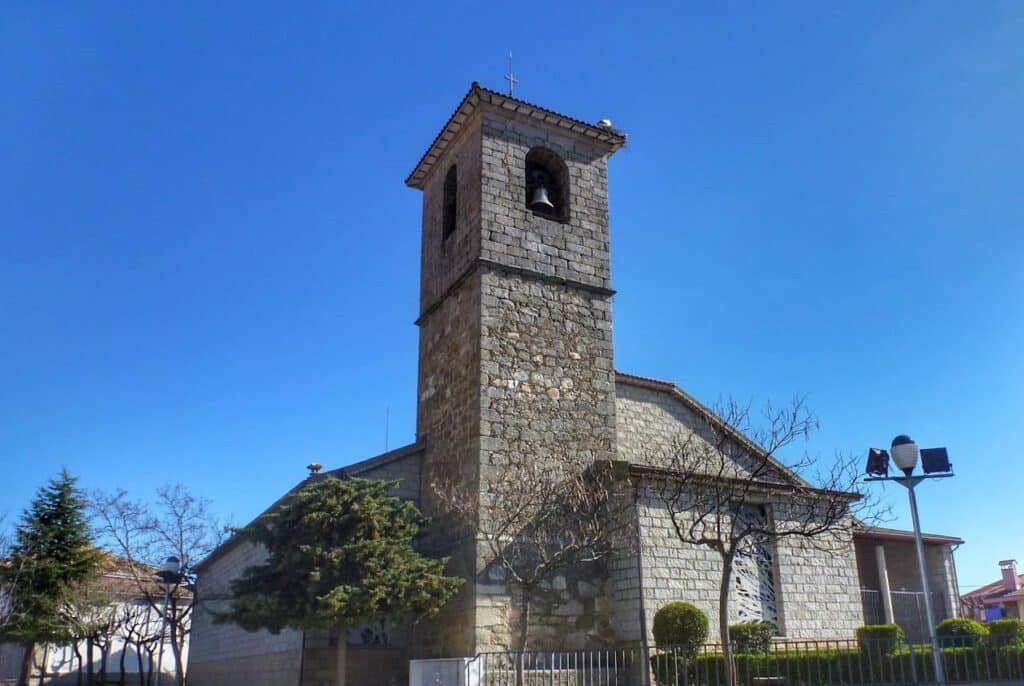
908	610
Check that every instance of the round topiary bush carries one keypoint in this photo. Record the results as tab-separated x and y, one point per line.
680	625
960	632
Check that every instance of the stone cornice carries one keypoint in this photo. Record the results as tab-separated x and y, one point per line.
479	263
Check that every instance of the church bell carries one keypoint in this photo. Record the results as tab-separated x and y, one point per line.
540	200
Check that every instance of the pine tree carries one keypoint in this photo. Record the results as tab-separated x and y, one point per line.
339	553
52	553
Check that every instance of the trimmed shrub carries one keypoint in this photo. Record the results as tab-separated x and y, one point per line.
960	632
1006	633
844	665
880	639
680	625
754	637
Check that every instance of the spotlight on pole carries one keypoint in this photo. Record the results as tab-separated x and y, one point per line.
935	460
878	462
935	464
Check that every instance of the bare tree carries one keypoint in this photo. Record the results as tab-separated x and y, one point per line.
726	487
538	516
177	524
138	630
91	612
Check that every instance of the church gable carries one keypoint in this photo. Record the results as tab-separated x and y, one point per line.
654	417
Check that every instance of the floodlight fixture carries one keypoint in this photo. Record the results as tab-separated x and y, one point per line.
935	460
878	462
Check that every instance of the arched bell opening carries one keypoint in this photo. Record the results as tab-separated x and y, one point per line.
547	185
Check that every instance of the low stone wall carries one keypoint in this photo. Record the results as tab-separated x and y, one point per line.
272	669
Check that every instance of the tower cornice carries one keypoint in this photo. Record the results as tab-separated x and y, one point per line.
477	97
481	263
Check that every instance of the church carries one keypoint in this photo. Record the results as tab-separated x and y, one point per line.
516	357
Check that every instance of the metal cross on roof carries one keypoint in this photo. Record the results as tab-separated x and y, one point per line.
510	77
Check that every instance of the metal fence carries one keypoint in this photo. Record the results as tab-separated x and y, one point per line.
868	662
908	611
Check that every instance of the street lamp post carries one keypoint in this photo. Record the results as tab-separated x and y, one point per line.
170	573
935	465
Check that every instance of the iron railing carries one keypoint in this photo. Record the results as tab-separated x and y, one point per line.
866	662
908	611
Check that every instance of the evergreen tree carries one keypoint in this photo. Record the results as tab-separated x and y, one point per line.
339	553
52	553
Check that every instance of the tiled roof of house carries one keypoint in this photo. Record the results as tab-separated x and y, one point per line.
478	95
995	592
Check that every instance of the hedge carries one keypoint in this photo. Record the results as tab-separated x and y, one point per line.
755	637
960	631
815	667
1006	633
883	639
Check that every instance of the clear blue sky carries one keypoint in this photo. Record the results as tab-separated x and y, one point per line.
209	261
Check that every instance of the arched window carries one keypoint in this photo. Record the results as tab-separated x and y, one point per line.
450	202
547	185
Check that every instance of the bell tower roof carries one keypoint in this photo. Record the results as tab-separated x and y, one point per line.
479	96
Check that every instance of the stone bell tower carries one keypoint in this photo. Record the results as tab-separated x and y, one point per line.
515	352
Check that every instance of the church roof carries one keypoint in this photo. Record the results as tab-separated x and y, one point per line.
354	469
477	96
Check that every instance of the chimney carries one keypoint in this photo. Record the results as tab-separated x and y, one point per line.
1010	580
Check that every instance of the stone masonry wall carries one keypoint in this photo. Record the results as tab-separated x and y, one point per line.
577	250
941	571
546	371
443	260
547	378
404	470
515	351
448	422
652	422
819	590
225	654
228	654
546	375
817	593
625	587
649	423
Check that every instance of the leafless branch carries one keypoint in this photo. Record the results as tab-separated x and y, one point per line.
538	516
728	463
176	524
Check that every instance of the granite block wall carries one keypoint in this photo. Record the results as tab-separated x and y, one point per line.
817	592
511	234
515	352
653	420
225	654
